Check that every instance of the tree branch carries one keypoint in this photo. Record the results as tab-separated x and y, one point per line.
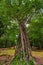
28	18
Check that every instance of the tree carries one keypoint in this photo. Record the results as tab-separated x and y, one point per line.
1	28
8	34
21	11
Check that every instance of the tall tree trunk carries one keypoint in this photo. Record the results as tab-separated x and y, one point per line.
24	44
40	46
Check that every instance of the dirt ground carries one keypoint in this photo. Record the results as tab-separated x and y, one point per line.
39	60
37	55
6	56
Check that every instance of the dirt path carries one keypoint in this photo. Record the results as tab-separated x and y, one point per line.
5	60
6	55
39	60
38	56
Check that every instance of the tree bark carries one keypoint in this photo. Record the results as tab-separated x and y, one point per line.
23	44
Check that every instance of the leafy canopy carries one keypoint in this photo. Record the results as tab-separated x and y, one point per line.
19	9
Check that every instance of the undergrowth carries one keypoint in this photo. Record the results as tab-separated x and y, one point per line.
18	60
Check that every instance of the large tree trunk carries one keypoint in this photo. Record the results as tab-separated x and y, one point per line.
23	46
23	42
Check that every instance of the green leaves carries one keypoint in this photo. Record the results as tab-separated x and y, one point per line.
36	30
19	8
1	28
9	37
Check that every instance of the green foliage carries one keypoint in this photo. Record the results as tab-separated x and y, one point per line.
9	38
35	31
31	62
1	28
19	60
19	10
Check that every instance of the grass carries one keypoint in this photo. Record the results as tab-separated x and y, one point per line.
37	53
7	52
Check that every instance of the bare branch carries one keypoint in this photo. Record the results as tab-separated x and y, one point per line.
29	17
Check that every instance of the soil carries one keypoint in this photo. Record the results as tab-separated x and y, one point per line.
38	59
5	59
38	56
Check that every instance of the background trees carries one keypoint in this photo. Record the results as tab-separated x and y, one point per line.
9	36
1	28
36	31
